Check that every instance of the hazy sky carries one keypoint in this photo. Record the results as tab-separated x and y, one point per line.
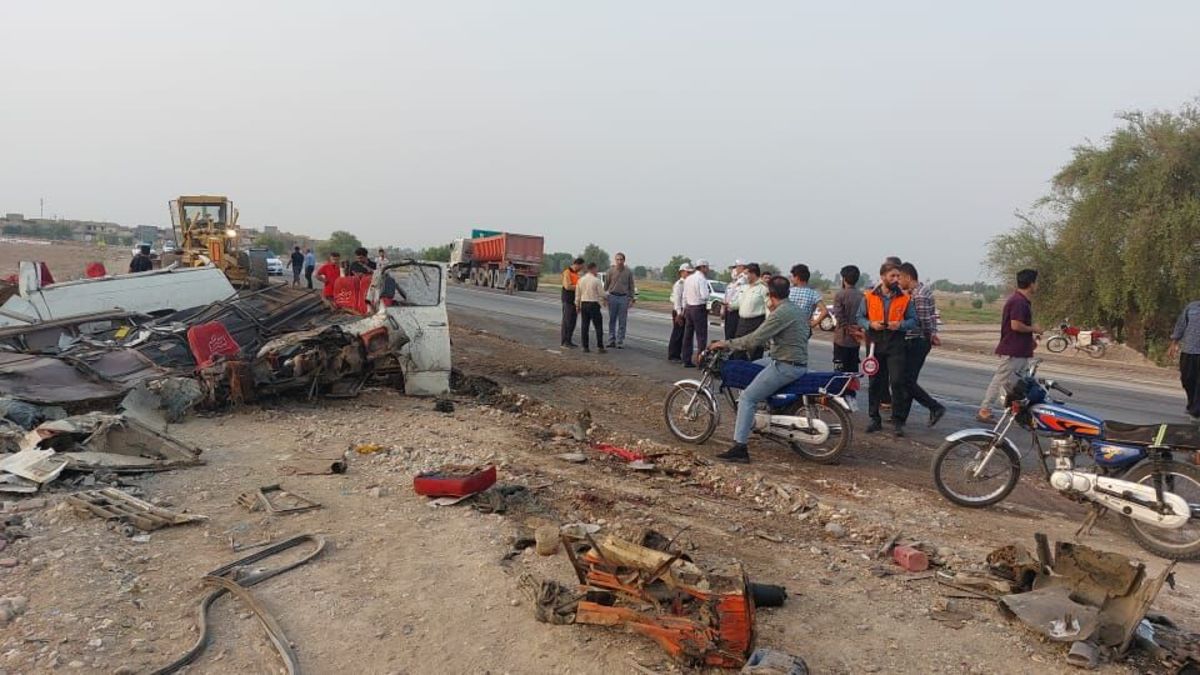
763	130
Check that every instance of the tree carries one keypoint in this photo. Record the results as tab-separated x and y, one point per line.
274	243
819	281
1117	241
435	253
341	241
555	263
594	254
768	268
641	272
670	271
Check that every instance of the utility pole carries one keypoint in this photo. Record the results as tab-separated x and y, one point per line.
41	208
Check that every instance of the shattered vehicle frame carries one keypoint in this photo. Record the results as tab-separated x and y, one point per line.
406	336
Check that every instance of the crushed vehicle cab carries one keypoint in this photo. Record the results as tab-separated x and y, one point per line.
407	335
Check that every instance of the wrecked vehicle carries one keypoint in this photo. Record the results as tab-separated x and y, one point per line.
407	336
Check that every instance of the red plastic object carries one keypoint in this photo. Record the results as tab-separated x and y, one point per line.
95	270
438	484
210	340
627	455
911	559
345	293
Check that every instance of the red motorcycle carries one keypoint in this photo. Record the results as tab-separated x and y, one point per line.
1092	342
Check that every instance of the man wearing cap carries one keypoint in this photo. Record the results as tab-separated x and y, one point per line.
695	312
733	292
675	346
570	313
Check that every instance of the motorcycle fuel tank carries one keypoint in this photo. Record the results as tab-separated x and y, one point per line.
1114	455
1059	419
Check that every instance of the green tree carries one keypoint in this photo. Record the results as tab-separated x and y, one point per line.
341	241
594	254
670	271
276	244
768	268
555	263
1117	241
436	253
641	272
819	281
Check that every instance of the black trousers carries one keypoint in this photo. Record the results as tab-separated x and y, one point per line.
695	331
731	323
916	351
889	349
845	359
591	315
308	272
675	346
1189	375
569	316
746	326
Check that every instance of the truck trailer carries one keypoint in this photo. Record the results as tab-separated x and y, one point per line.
483	260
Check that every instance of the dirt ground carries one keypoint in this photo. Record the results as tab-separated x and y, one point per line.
406	588
66	259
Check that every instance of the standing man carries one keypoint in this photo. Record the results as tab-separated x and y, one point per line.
733	291
675	345
621	292
362	264
848	335
752	308
141	262
786	329
1017	341
588	296
381	258
807	298
330	272
1185	343
887	315
510	278
570	313
296	262
920	340
310	266
695	312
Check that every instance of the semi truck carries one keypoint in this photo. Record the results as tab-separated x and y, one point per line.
483	261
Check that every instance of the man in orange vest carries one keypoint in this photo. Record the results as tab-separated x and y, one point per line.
886	314
570	315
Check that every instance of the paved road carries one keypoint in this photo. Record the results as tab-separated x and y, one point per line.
534	318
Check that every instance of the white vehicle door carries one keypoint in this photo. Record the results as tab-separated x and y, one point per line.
419	310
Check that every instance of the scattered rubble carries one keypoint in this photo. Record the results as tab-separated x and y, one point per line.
124	510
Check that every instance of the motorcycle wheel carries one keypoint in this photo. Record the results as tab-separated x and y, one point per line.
691	413
1183	543
956	459
1057	344
1095	350
841	430
828	323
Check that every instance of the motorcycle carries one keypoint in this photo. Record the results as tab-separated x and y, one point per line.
1092	342
810	415
1135	475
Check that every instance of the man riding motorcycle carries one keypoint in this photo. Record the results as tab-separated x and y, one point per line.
786	331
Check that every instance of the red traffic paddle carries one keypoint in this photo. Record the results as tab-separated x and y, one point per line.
870	365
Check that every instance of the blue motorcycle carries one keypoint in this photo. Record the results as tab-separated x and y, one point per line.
1147	474
810	415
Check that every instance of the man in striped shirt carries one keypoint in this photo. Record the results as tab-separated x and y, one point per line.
920	340
807	298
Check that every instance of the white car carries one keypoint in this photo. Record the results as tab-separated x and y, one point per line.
716	297
274	265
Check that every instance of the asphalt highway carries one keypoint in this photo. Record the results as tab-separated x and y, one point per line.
958	380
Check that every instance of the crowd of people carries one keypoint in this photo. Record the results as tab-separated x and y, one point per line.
583	296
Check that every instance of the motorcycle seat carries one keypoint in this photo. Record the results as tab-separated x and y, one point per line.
1172	435
739	375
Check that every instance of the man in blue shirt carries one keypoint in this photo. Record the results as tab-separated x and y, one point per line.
310	265
1185	343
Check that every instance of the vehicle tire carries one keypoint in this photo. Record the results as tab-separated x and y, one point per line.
1184	543
532	285
715	308
521	283
691	413
1004	465
1057	344
1095	350
841	431
828	323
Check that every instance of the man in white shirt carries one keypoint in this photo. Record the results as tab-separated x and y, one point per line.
733	292
752	308
588	296
695	312
675	345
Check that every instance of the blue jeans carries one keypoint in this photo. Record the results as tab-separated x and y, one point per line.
774	376
618	317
